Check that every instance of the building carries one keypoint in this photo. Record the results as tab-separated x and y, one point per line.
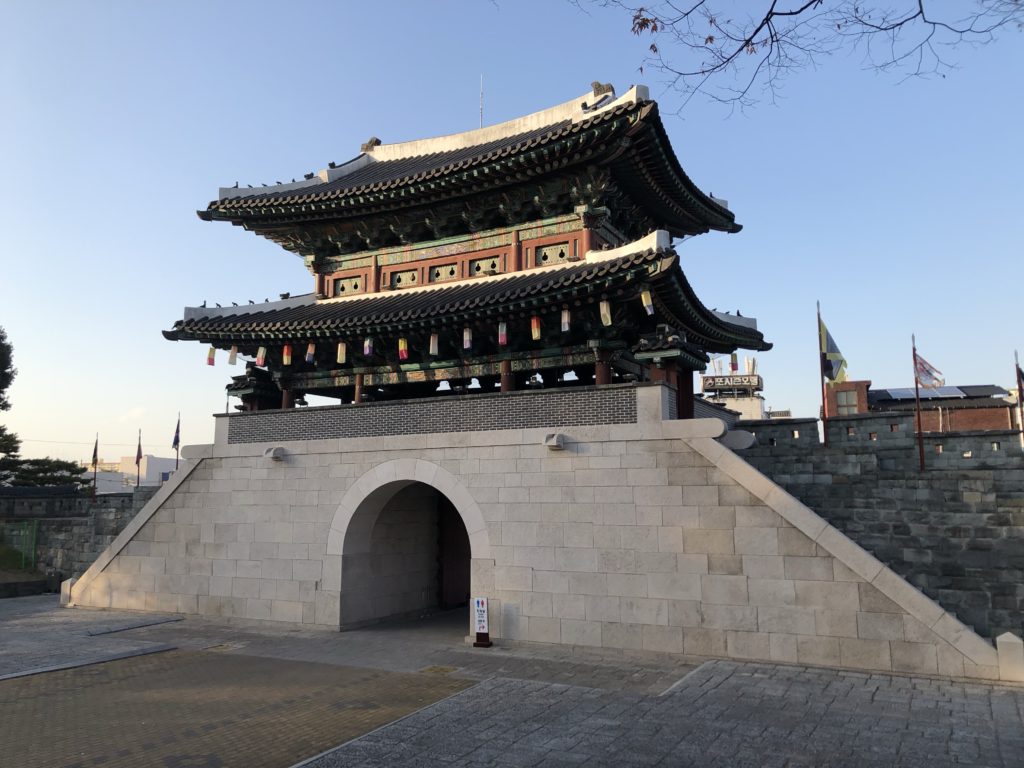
943	409
116	476
574	492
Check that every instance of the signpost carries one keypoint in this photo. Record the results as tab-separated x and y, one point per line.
483	639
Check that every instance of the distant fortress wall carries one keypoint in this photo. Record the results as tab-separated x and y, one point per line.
955	531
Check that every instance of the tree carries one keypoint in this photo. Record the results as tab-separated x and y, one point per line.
27	472
736	52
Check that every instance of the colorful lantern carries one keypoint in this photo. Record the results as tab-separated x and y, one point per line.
342	352
502	334
286	355
368	346
261	356
606	312
535	328
310	353
233	356
433	344
645	297
467	338
210	356
403	349
565	320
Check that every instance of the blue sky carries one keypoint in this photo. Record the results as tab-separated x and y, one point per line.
893	203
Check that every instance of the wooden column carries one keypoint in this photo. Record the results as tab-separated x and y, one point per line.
517	253
602	368
508	381
684	393
358	397
287	400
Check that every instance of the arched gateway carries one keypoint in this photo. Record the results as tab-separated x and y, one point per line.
406	532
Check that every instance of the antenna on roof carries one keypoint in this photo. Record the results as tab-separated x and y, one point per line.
481	101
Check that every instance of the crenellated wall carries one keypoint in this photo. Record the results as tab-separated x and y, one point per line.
956	530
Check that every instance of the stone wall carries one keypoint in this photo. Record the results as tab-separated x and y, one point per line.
71	531
648	535
955	531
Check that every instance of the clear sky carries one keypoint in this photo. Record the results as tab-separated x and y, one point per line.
896	204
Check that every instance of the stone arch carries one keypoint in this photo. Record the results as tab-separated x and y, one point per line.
352	528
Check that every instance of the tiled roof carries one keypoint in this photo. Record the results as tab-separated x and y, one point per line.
452	303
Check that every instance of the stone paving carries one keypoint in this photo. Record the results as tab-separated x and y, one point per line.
528	705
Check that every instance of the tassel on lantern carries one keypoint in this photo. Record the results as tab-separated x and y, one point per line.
261	356
286	355
310	353
645	297
467	338
342	352
606	312
368	346
502	334
233	356
535	328
210	356
565	321
403	349
433	344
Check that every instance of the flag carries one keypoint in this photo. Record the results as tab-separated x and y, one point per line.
403	349
342	352
368	346
96	446
502	334
467	338
535	328
177	434
927	375
138	452
833	364
433	344
233	356
734	363
261	356
565	320
211	355
286	354
310	353
606	313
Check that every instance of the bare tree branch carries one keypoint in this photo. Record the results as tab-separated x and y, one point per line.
721	50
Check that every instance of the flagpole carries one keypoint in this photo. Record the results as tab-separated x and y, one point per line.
1020	395
95	465
177	443
821	370
917	402
138	461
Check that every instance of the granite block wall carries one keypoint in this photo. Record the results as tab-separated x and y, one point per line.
648	535
955	531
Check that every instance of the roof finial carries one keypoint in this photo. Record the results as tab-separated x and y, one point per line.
369	144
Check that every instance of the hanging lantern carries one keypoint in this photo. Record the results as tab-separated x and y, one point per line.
342	352
233	356
535	328
211	355
467	338
403	349
286	355
310	353
565	320
502	334
433	344
261	356
368	346
606	312
645	297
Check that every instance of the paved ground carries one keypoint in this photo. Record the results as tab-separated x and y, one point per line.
527	705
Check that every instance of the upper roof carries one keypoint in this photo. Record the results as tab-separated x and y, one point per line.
626	134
